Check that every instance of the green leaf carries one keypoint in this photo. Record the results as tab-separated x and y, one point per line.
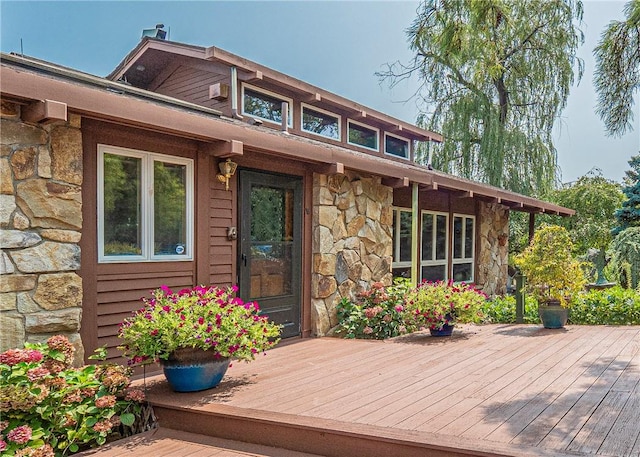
128	419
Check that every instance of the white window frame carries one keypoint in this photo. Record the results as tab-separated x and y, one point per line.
397	210
435	262
386	134
147	205
270	94
351	121
463	259
323	111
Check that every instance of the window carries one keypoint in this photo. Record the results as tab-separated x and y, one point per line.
396	146
402	242
433	258
145	206
363	136
320	122
463	247
265	105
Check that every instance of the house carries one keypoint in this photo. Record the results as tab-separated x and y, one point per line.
190	165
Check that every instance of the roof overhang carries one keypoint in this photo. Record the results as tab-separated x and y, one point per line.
26	81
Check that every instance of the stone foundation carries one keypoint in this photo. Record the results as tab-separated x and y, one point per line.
40	228
494	249
352	242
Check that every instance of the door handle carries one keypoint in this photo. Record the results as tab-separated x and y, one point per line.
243	257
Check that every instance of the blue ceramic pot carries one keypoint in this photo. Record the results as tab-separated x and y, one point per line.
553	315
194	373
446	330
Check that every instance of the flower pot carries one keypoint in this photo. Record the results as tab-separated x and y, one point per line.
191	370
553	315
446	330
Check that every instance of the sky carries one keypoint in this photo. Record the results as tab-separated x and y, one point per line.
335	45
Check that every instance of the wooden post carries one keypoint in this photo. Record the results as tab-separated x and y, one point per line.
532	225
415	214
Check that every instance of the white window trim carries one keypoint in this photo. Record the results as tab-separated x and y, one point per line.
464	259
323	111
270	94
351	121
438	262
396	239
386	134
147	205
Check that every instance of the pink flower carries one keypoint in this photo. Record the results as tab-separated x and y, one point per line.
367	330
37	373
399	308
20	435
134	394
3	445
107	401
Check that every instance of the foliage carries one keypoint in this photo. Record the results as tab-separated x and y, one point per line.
595	200
50	409
495	78
552	271
209	318
502	310
629	214
436	304
624	266
613	306
376	313
617	73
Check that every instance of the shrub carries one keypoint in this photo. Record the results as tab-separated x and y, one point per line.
376	313
613	306
50	409
436	304
502	310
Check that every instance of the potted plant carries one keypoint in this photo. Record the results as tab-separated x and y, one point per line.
439	305
553	275
194	333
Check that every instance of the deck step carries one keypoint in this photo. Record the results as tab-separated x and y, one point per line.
326	437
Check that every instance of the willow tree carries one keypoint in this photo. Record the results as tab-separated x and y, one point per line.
617	74
495	76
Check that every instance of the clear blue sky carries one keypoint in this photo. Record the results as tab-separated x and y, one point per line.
336	45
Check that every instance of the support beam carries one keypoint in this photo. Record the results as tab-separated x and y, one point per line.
44	112
395	183
224	149
532	226
336	168
415	214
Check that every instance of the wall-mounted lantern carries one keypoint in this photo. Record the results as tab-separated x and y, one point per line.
227	170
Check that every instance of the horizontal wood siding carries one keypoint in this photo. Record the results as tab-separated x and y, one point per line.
192	85
222	250
120	288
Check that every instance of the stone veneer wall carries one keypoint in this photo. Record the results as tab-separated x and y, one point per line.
494	248
40	228
352	242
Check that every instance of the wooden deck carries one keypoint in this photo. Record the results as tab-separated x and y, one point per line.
498	390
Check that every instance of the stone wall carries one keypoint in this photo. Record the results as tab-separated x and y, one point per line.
494	248
40	228
352	242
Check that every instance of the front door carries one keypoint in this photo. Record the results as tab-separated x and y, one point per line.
270	250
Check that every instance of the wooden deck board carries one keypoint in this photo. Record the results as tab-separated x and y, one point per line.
573	391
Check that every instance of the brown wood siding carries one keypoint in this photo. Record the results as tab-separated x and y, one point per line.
222	262
192	85
113	290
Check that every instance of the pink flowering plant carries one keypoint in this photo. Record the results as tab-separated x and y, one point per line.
376	313
50	409
209	318
432	305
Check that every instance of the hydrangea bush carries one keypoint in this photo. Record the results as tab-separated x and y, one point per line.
376	313
50	409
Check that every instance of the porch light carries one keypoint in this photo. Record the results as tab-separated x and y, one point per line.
227	170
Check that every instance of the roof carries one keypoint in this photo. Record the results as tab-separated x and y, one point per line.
26	80
155	54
